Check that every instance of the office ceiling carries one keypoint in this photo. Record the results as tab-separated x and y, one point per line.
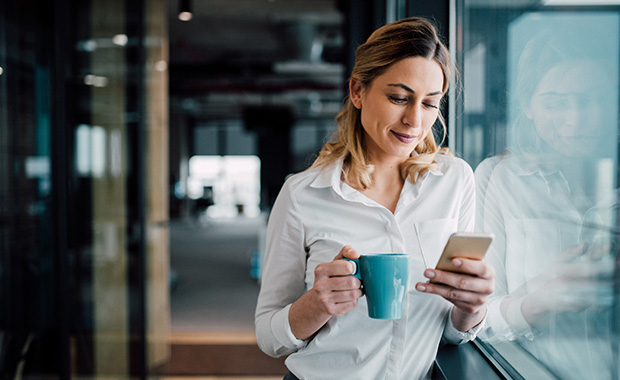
232	54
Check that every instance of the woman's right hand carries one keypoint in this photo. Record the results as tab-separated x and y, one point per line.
336	290
334	293
569	285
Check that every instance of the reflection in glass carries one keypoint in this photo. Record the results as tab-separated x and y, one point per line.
546	197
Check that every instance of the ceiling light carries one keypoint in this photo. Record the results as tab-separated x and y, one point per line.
185	10
95	80
120	39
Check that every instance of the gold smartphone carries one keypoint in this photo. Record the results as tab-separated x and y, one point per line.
464	244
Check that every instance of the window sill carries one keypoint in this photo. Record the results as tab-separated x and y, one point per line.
466	362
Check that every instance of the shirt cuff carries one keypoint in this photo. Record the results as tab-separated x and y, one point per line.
517	325
454	336
281	328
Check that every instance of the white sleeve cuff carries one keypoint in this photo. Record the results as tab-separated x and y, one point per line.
453	335
282	330
497	327
517	325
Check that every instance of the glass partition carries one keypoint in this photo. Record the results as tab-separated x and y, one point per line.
540	125
83	132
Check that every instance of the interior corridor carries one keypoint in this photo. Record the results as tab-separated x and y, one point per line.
213	297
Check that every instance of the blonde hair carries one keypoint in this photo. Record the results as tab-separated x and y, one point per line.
410	37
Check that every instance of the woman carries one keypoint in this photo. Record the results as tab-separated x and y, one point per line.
383	185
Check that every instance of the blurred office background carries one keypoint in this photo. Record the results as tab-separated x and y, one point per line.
141	148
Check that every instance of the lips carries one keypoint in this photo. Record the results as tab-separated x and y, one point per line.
404	138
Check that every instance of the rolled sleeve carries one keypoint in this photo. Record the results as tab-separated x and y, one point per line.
281	340
282	330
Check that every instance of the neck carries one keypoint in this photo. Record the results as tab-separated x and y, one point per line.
387	183
386	174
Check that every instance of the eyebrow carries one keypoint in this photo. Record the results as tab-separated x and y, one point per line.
408	89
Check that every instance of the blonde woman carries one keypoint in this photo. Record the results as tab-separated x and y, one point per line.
381	185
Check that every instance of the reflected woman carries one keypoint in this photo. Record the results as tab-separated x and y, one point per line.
551	296
381	185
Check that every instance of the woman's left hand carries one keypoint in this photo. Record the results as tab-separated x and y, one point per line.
468	291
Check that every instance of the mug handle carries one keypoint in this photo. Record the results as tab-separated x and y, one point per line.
356	262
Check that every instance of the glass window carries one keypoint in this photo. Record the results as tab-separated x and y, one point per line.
540	127
83	254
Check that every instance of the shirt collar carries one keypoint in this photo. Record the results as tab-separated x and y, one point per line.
330	176
523	167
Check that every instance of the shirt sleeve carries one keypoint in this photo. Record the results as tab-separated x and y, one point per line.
490	193
452	335
283	277
467	213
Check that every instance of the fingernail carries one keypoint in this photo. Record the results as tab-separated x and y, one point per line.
420	287
457	262
429	274
353	267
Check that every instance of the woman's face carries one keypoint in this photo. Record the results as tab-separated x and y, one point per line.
567	108
399	107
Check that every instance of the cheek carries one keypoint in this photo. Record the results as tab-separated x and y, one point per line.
429	120
545	122
374	115
544	129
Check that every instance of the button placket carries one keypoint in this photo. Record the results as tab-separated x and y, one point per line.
393	232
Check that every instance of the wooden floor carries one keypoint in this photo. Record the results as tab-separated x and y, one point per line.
213	303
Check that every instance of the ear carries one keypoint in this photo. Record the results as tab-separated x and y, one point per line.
355	93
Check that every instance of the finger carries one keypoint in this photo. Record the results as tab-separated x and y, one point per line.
340	308
461	281
479	268
335	297
453	295
572	253
334	268
588	271
338	283
456	296
348	252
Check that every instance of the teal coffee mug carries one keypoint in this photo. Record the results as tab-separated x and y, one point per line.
384	279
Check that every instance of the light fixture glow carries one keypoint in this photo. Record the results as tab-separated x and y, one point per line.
185	10
161	66
185	16
95	80
120	39
1	70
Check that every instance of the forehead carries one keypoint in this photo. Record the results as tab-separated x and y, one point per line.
420	74
572	77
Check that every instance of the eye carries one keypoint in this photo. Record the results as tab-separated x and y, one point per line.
398	99
431	105
555	104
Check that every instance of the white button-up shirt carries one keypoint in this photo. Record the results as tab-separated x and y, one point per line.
314	216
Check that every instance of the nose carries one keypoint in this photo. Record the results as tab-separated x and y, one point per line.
575	116
413	116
